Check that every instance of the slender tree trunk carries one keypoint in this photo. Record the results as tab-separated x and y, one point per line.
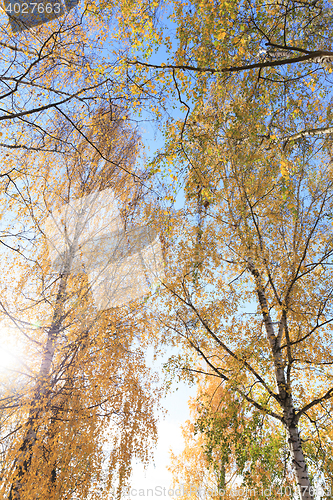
284	390
41	392
299	464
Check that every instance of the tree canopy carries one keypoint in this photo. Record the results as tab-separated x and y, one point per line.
240	194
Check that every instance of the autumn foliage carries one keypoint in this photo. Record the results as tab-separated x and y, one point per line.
240	193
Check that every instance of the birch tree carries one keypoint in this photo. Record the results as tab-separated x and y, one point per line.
87	386
250	259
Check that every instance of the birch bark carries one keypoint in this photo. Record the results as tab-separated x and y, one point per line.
42	389
284	389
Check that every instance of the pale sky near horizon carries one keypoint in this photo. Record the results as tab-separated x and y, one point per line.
169	438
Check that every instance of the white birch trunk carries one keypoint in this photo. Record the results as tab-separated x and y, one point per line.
284	390
305	490
23	461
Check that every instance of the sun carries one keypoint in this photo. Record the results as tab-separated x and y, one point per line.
7	359
11	351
